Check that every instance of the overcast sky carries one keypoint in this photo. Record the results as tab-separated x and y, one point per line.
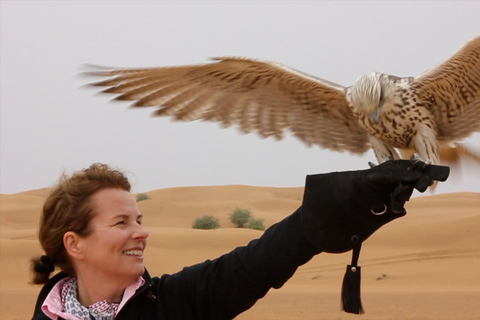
51	124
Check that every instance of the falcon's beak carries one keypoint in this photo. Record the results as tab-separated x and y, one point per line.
374	115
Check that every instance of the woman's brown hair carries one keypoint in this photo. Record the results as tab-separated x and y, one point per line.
68	208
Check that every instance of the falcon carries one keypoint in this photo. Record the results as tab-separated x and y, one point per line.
379	111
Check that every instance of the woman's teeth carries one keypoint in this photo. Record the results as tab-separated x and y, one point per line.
133	252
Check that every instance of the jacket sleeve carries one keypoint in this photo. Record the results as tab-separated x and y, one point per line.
225	287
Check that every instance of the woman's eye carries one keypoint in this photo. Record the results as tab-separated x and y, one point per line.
120	223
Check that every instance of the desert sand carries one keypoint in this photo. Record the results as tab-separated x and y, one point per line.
423	266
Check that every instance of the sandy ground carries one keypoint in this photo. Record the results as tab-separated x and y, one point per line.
423	266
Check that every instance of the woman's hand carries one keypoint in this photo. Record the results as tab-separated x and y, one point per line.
340	205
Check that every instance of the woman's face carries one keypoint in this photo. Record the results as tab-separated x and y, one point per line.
117	240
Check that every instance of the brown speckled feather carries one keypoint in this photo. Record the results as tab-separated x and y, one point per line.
379	111
451	91
256	96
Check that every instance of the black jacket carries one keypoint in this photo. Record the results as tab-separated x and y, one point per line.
220	288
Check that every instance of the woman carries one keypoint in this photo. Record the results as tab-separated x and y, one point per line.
91	230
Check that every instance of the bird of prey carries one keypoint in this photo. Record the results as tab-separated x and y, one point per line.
378	111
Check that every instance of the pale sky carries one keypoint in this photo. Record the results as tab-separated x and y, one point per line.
50	123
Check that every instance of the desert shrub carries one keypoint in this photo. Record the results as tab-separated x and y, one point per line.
142	196
205	222
239	217
256	224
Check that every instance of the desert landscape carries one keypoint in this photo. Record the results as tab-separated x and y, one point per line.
423	266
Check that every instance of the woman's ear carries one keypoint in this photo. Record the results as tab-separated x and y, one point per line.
72	243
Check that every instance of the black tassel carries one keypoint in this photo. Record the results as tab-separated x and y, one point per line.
351	301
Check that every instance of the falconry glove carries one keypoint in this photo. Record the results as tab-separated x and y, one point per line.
340	210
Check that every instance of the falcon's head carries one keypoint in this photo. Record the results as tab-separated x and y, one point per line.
366	93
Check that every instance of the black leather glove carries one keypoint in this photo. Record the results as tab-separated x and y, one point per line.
342	207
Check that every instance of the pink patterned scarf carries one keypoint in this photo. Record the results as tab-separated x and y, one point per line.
101	310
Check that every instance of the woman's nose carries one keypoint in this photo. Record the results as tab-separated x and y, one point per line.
140	232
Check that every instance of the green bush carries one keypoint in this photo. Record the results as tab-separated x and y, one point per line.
205	222
142	196
256	224
242	218
239	217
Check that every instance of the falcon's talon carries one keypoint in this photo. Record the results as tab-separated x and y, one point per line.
416	158
371	164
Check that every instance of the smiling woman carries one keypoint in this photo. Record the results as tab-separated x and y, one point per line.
67	210
91	207
91	230
116	263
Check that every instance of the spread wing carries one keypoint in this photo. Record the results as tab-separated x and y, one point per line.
256	96
452	90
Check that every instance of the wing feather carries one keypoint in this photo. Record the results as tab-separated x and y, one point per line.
258	96
452	92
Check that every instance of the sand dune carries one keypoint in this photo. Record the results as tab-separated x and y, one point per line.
423	266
